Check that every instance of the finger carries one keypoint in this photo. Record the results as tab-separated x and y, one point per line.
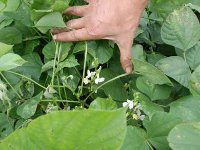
76	23
125	54
72	24
77	10
74	35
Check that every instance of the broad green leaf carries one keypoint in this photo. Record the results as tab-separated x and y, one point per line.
10	35
192	56
28	108
153	58
10	61
163	8
186	108
68	63
194	83
32	67
148	106
50	49
81	130
181	29
5	126
151	73
52	20
137	52
48	65
185	137
136	139
2	5
4	48
103	104
153	91
159	127
103	52
114	89
12	5
176	68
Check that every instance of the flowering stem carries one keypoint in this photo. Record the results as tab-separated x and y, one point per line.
84	68
18	74
113	79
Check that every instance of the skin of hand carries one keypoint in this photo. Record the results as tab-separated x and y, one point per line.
105	19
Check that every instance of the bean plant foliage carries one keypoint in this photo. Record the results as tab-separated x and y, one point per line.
75	95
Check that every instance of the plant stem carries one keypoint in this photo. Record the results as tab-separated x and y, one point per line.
18	74
66	101
84	69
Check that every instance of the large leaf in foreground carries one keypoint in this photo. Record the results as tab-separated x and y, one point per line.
185	137
181	29
10	61
158	128
81	130
194	83
4	48
176	68
151	73
186	108
192	56
135	139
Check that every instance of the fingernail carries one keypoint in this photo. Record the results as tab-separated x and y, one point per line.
54	37
128	70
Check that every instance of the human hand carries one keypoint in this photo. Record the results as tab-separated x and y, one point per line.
105	19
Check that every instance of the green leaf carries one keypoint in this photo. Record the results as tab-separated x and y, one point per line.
135	139
186	108
50	49
52	20
181	29
192	56
137	52
176	68
4	48
10	35
32	67
151	73
103	104
5	126
103	52
68	63
148	107
163	8
114	89
10	61
194	83
28	108
185	137
81	130
153	91
12	5
159	127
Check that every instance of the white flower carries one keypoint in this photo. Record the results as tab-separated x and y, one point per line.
128	103
86	81
90	74
142	117
99	80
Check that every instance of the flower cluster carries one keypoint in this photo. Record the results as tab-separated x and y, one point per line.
93	77
135	109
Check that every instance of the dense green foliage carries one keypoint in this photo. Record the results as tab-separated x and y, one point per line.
69	95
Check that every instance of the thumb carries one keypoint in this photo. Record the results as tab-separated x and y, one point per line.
125	54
